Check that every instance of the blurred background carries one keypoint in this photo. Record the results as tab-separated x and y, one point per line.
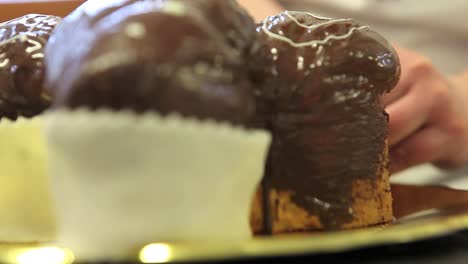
10	9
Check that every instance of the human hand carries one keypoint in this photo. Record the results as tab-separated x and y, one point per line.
428	116
261	9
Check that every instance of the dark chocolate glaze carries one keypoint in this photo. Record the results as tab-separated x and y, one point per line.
165	56
318	93
22	42
229	19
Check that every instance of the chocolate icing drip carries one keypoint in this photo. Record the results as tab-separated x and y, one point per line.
165	56
22	42
319	93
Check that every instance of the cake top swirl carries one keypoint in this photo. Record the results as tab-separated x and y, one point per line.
313	52
319	22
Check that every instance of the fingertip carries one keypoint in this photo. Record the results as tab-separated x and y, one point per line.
425	146
396	123
397	161
448	164
407	116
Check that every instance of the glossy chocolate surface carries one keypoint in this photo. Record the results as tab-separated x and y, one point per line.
319	95
22	42
164	56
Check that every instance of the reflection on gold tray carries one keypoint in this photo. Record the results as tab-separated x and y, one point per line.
421	213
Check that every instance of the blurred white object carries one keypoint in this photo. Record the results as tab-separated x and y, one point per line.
429	175
122	181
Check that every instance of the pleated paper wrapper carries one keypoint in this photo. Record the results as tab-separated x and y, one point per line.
122	180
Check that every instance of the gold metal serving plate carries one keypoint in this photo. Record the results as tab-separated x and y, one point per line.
421	213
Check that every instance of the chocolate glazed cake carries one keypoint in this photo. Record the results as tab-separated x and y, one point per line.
22	69
318	87
164	56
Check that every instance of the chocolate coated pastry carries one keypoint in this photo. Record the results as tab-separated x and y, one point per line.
159	56
319	96
22	42
230	20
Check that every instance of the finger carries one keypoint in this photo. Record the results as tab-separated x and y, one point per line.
413	66
448	164
408	115
400	90
455	155
427	145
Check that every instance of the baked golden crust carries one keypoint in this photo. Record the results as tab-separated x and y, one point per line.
372	205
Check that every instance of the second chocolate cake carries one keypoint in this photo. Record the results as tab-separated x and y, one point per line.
22	69
319	96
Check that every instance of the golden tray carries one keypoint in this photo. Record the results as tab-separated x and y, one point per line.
421	212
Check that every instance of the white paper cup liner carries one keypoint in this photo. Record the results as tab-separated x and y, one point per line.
25	203
122	180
